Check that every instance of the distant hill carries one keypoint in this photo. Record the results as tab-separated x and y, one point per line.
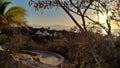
55	27
35	26
60	27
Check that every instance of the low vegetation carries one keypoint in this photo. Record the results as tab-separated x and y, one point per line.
76	51
75	48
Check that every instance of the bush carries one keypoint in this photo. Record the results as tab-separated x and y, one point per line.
19	42
59	35
3	39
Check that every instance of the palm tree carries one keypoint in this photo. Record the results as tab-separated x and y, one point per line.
12	17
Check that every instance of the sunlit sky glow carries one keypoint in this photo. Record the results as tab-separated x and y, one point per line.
55	16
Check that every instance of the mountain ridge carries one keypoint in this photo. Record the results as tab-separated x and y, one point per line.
55	27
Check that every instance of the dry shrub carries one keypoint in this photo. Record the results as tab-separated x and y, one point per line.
6	61
20	42
3	39
103	49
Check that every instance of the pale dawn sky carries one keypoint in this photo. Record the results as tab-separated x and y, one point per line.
55	16
44	17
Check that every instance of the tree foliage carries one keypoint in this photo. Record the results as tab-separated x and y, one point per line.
106	8
13	16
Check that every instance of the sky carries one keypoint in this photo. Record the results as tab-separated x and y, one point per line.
50	17
55	16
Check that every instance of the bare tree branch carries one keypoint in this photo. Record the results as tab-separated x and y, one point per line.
71	16
98	23
87	8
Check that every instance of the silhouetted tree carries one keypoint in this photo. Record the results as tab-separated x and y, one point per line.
79	7
111	10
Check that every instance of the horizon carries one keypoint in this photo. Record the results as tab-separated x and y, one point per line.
50	17
43	17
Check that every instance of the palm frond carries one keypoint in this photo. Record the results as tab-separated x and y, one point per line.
15	12
1	1
15	15
3	7
3	22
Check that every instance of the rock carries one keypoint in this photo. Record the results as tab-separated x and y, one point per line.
6	61
36	58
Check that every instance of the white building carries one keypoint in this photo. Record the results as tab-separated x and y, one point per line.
39	32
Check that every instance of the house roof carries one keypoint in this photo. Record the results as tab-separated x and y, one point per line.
38	32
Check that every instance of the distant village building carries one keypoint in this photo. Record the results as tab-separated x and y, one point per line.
38	32
45	33
55	34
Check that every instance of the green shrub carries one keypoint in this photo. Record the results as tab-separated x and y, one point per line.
59	35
